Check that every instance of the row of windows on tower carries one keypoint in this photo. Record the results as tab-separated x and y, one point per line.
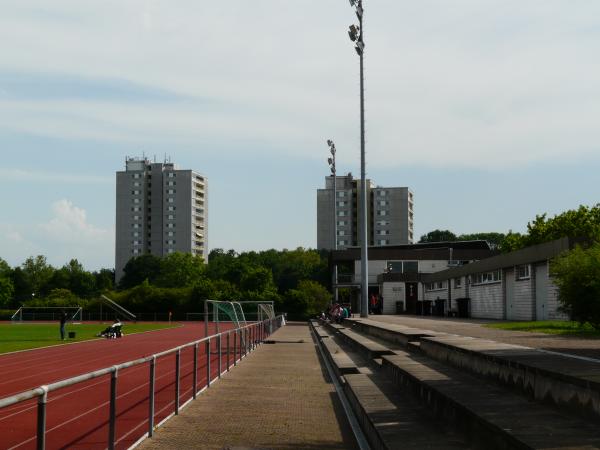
139	192
138	175
139	208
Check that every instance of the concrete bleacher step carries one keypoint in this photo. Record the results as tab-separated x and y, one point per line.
491	417
414	347
567	382
340	360
393	420
396	334
563	380
321	332
368	347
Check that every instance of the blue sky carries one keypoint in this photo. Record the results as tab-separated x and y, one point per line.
487	110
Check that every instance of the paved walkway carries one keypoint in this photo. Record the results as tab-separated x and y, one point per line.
276	398
472	327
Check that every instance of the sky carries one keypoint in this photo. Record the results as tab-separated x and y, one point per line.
486	109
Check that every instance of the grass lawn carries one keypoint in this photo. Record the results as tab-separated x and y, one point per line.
24	336
550	327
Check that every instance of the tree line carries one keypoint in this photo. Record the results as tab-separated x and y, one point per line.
295	280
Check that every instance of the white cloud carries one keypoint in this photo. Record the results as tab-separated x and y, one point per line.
447	83
66	235
70	224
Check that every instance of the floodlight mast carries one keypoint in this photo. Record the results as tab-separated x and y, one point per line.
356	34
331	162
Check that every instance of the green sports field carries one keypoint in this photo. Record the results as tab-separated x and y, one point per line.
565	328
23	336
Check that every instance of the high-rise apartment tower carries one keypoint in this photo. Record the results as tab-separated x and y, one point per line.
389	213
160	210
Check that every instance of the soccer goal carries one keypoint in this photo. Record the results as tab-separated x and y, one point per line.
46	313
219	311
265	311
236	313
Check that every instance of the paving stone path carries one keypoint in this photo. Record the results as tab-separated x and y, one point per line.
470	327
276	398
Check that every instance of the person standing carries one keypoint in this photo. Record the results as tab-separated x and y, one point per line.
63	322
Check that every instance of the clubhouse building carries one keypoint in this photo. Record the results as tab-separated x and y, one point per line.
463	278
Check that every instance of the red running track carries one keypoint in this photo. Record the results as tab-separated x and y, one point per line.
77	416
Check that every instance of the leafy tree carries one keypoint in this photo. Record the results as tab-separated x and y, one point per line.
297	265
36	274
581	222
5	270
219	263
577	275
7	291
81	282
138	269
62	297
257	279
180	270
494	239
309	299
104	280
511	242
438	236
204	289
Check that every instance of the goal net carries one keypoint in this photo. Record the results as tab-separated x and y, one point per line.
219	311
265	311
237	314
47	313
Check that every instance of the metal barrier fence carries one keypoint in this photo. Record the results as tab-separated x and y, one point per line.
238	343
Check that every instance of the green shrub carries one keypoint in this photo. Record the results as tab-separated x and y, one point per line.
577	275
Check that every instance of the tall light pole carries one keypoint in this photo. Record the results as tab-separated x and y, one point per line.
331	162
356	34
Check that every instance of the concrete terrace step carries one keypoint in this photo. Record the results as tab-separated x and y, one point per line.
364	345
321	332
563	380
392	420
397	334
340	360
491	416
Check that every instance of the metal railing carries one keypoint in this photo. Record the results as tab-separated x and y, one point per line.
245	340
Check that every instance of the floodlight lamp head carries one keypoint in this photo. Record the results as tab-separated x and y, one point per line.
329	142
359	12
353	32
330	161
352	2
